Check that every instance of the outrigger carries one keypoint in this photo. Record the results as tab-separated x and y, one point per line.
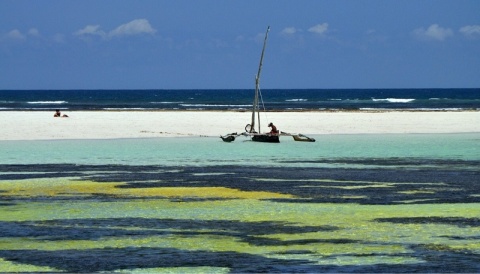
257	136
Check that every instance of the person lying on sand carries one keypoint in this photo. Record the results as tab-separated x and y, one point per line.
59	114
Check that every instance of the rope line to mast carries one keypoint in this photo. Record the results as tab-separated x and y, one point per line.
263	105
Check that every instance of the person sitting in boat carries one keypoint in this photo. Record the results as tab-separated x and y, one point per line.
274	128
59	114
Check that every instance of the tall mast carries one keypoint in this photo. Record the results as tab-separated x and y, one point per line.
257	86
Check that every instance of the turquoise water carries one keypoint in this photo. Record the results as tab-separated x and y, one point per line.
328	150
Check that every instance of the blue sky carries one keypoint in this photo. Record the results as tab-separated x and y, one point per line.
216	44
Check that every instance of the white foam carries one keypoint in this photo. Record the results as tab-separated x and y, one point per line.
393	100
296	100
166	102
48	102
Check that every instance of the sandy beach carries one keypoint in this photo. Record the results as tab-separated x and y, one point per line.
39	125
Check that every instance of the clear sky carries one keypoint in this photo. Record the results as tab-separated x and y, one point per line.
216	44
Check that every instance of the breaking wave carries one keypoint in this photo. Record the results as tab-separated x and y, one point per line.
47	102
296	100
393	100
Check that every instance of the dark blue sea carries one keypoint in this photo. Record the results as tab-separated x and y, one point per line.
241	99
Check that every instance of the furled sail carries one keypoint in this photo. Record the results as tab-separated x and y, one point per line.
256	108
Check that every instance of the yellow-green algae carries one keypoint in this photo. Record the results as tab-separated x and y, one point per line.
356	231
9	267
372	185
49	187
417	191
323	181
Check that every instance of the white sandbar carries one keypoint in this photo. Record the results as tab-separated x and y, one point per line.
39	125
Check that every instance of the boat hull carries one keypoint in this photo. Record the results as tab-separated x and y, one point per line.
266	138
228	138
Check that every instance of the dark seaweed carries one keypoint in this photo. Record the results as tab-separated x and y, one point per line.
436	259
457	221
415	186
84	229
418	182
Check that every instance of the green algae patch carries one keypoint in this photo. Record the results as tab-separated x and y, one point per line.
355	186
419	191
322	234
46	218
13	267
56	188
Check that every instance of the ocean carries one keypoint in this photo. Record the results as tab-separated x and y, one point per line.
345	203
231	99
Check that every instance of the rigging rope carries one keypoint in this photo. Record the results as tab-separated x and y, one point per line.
263	105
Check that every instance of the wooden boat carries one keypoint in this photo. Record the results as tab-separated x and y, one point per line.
257	136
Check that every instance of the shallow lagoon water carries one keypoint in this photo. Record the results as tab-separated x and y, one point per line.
211	151
347	203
